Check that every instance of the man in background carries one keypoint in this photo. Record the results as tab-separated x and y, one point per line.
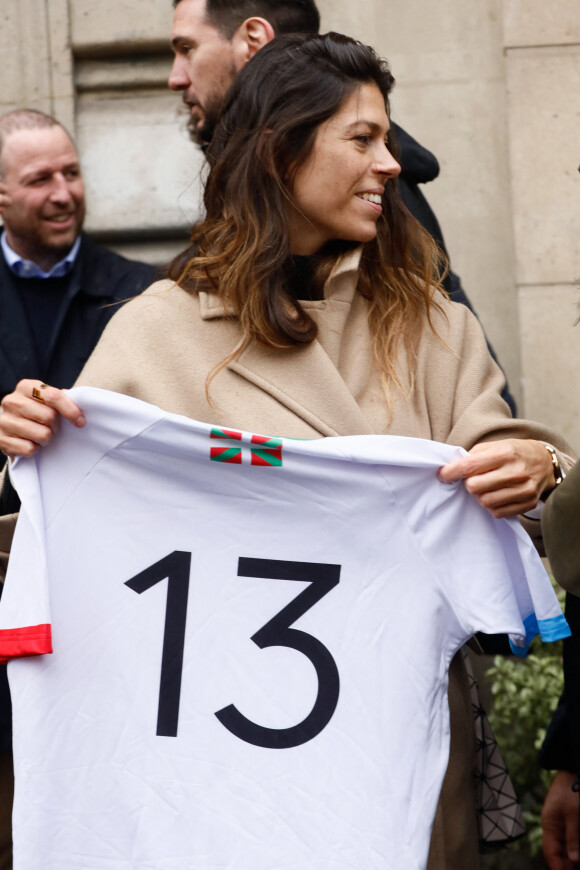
57	286
58	290
213	39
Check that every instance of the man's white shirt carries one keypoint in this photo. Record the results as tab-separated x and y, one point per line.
251	642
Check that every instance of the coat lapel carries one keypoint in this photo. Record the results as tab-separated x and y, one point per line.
308	384
306	380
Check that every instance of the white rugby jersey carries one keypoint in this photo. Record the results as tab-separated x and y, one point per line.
251	642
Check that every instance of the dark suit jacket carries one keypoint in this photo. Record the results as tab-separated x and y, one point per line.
99	278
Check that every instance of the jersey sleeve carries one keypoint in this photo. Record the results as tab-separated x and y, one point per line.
486	569
537	604
491	573
45	482
24	608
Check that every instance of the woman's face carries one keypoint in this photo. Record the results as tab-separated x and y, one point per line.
337	191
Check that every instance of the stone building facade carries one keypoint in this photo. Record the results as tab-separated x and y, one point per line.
491	86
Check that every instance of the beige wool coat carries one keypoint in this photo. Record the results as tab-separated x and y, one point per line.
163	346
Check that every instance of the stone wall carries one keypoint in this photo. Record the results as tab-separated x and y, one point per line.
491	87
542	47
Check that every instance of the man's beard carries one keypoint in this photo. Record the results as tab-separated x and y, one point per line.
203	134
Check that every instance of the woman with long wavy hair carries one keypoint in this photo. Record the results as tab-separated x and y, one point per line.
309	304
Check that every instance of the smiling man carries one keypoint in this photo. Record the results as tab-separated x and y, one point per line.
43	178
56	284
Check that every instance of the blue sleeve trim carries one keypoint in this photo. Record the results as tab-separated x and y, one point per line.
555	628
551	629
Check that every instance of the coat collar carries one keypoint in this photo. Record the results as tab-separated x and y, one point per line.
212	306
305	379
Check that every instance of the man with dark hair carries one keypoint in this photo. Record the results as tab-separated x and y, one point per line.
211	42
285	16
213	39
57	293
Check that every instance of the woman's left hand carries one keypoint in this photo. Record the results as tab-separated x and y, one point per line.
506	477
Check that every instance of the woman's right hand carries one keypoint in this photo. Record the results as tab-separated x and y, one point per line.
31	415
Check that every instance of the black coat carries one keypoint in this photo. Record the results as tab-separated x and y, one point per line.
98	279
561	747
419	166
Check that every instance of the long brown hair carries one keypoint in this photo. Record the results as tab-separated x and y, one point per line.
241	249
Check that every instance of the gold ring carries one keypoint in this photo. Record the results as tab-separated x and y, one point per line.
37	395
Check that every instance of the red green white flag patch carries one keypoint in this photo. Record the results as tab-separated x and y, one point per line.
263	450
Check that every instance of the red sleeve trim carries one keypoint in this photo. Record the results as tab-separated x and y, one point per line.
34	640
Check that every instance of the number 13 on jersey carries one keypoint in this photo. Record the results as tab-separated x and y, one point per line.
278	631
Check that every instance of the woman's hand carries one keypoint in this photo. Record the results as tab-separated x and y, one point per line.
31	415
506	477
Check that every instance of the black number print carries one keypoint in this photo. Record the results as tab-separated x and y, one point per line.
277	632
175	569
